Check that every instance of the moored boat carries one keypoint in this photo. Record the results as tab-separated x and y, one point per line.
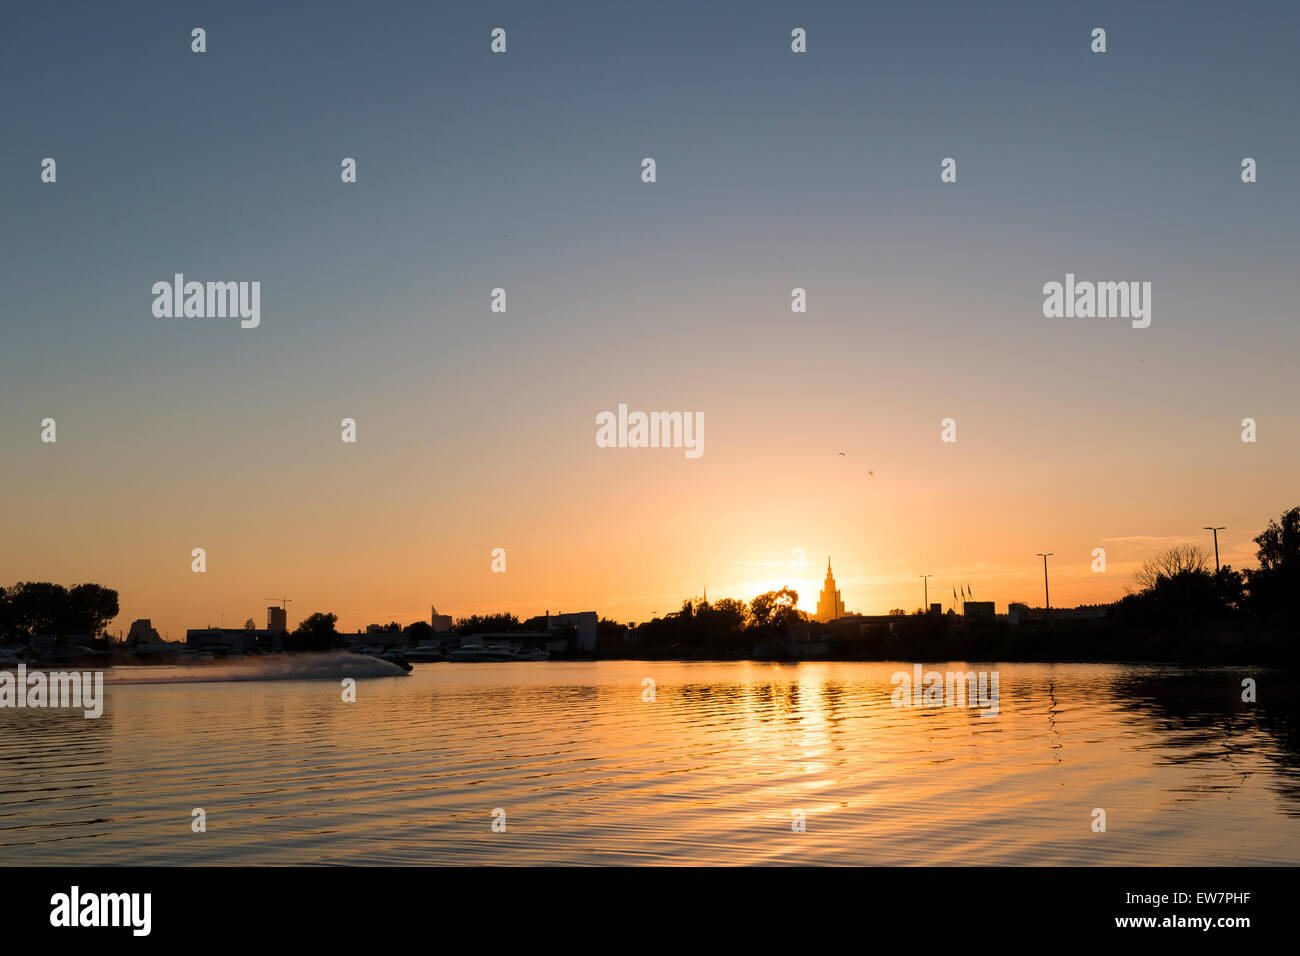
496	652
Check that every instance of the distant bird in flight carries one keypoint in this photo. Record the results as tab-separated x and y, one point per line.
841	454
871	474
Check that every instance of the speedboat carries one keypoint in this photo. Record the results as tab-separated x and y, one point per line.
397	657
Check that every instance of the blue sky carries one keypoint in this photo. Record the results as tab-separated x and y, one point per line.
775	170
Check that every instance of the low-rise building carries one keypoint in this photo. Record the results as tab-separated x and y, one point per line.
567	632
234	640
1018	613
864	622
143	640
143	632
375	636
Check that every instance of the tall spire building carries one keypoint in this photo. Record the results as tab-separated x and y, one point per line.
829	605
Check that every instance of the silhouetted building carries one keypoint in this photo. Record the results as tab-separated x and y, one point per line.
1018	613
277	619
564	632
143	632
375	636
144	641
866	622
980	609
441	623
234	640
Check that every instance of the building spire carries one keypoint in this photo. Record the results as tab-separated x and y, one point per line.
830	606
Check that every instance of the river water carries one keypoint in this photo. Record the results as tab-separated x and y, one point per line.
711	763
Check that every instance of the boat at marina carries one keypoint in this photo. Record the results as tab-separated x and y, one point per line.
496	651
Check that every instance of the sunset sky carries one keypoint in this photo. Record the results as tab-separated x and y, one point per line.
775	170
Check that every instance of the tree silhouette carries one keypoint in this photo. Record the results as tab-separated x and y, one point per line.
1273	586
316	633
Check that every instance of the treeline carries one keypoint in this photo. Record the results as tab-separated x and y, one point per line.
486	624
33	608
319	631
1179	589
726	625
1182	609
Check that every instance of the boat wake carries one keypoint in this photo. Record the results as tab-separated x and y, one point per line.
329	665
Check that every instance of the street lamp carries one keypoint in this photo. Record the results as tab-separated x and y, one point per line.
1216	544
1047	595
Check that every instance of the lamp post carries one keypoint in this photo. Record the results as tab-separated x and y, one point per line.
1047	595
1216	544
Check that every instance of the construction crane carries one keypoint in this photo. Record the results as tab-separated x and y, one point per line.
283	602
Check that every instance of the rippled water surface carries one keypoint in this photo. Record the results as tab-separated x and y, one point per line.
711	771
